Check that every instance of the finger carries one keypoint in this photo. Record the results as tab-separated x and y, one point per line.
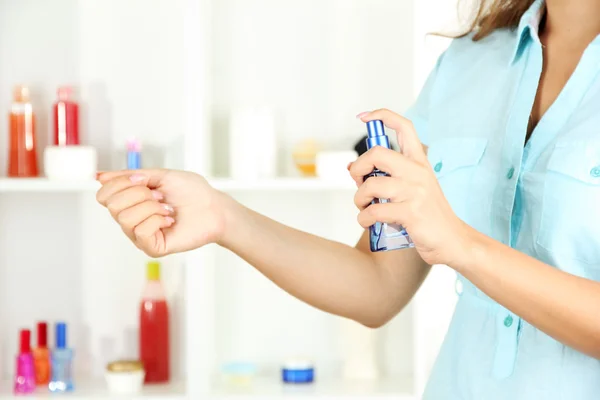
117	185
380	187
129	197
391	213
153	176
407	135
389	161
149	236
134	216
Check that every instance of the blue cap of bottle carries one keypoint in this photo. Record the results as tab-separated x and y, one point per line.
375	128
61	335
376	135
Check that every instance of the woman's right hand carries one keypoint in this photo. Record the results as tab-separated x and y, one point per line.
165	211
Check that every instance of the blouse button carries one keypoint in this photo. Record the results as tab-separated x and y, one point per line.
508	321
438	167
595	172
511	173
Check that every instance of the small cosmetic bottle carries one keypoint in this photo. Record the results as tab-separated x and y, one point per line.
62	359
384	236
134	154
25	372
41	355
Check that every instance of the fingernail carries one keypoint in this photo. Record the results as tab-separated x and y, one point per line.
168	208
169	220
362	114
157	195
137	178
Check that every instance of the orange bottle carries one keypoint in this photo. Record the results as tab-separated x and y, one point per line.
41	355
22	157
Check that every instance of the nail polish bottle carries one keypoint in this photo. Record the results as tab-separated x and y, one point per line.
41	355
134	154
62	359
25	372
384	236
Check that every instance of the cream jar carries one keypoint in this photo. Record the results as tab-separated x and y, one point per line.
125	377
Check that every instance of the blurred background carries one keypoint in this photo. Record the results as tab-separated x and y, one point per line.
260	97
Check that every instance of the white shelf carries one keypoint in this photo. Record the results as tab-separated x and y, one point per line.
228	185
45	185
282	184
260	389
263	389
98	391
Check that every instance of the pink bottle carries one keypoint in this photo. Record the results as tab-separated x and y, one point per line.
25	373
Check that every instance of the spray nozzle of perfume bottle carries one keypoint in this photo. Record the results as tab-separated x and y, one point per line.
376	135
375	128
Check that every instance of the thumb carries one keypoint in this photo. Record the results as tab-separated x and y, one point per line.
409	142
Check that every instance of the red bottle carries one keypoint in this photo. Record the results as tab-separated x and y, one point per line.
22	156
66	118
154	328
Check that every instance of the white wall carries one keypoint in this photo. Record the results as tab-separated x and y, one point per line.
317	63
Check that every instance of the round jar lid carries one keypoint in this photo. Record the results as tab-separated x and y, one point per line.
125	366
298	364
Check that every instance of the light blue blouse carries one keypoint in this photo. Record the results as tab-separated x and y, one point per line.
542	198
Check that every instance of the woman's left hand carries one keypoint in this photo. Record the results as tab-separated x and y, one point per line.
416	199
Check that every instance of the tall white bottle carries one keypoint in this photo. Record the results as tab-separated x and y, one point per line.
252	144
359	351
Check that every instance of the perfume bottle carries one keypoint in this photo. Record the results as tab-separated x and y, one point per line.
25	372
62	359
41	355
384	236
22	155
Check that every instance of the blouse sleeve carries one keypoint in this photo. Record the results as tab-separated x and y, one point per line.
418	113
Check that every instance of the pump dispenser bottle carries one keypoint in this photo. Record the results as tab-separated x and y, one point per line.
384	236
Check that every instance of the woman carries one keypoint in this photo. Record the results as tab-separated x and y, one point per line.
505	193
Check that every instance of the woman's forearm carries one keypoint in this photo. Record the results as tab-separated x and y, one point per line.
564	306
328	275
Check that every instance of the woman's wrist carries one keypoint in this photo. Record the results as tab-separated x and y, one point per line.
234	218
471	249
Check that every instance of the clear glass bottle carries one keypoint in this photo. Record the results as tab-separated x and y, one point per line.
62	360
